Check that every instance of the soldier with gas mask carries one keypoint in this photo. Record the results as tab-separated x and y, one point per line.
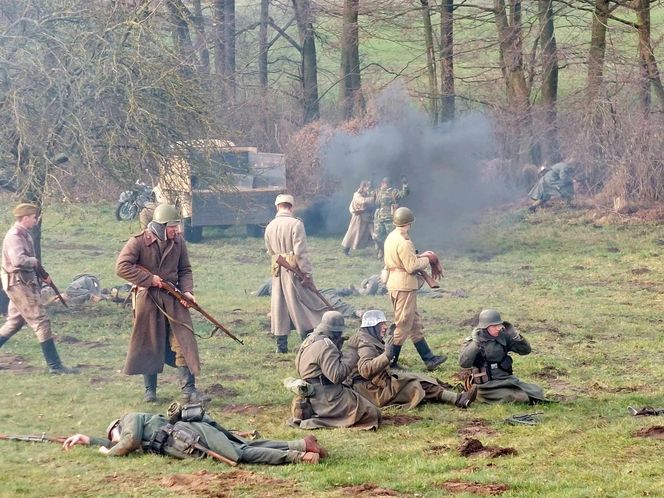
486	353
322	366
162	330
379	384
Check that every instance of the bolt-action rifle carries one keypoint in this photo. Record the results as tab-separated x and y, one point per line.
646	410
33	438
179	295
306	281
43	274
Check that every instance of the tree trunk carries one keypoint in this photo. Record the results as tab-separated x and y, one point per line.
447	98
309	65
597	51
263	45
432	94
181	35
199	23
648	63
351	99
549	90
229	47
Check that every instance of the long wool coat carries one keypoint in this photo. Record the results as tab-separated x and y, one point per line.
333	405
148	346
292	305
358	235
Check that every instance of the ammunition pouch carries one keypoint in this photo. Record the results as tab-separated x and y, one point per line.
479	376
177	440
192	412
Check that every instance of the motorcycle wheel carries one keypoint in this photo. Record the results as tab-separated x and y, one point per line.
126	211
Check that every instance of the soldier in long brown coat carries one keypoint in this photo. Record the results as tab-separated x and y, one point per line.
162	331
358	235
402	264
292	306
22	284
321	364
375	381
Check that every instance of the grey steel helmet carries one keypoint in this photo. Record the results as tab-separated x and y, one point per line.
332	321
403	216
166	214
489	317
371	318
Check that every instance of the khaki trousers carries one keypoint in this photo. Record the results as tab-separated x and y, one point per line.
406	318
25	306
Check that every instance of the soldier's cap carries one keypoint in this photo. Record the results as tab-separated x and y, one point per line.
110	428
284	199
25	209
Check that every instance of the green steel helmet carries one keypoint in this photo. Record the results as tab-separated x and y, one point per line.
333	321
489	317
403	216
371	318
166	214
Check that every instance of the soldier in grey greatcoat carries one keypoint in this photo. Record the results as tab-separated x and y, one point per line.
557	180
486	353
374	380
321	364
293	305
22	276
361	208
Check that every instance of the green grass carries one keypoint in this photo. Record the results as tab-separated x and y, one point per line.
588	296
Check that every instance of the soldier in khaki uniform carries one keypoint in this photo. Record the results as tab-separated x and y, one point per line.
321	364
387	201
23	286
292	305
358	234
375	381
486	352
402	264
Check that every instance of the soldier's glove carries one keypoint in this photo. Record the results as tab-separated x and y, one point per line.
389	343
389	351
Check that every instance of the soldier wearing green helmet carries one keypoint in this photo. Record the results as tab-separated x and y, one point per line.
162	331
387	201
486	353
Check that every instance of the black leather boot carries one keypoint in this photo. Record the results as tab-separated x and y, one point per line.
55	366
3	339
150	382
189	392
431	360
282	344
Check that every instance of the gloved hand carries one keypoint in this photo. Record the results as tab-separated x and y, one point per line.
389	351
389	343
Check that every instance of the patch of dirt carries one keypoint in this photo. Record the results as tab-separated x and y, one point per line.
655	432
476	427
68	339
640	270
578	267
526	267
437	449
367	489
471	446
470	322
457	487
15	363
400	419
225	484
549	372
612	249
219	390
242	409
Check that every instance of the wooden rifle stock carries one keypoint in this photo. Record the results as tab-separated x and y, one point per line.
215	455
306	282
428	279
43	438
43	274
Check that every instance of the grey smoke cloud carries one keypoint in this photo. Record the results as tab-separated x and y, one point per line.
442	165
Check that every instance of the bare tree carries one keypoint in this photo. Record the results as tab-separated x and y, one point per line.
447	97
309	64
549	92
351	100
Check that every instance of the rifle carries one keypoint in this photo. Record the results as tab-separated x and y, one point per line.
33	439
525	419
43	274
306	282
179	295
647	410
428	279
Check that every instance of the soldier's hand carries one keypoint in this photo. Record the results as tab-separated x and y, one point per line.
72	441
156	281
389	351
190	296
48	280
103	450
308	282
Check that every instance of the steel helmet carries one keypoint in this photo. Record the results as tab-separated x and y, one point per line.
112	426
403	216
332	321
371	318
166	214
489	317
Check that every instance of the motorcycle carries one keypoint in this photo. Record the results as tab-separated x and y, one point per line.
131	202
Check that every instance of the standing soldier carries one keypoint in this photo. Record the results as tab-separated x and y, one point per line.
359	228
293	305
20	268
402	264
387	201
162	331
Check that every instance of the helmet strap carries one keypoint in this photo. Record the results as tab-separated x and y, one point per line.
158	229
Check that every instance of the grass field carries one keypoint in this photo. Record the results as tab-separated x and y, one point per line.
586	293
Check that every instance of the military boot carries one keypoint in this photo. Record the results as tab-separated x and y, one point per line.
52	358
431	360
150	382
465	398
347	251
3	339
189	392
282	344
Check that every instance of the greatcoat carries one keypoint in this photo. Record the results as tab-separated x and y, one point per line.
358	235
149	348
292	305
